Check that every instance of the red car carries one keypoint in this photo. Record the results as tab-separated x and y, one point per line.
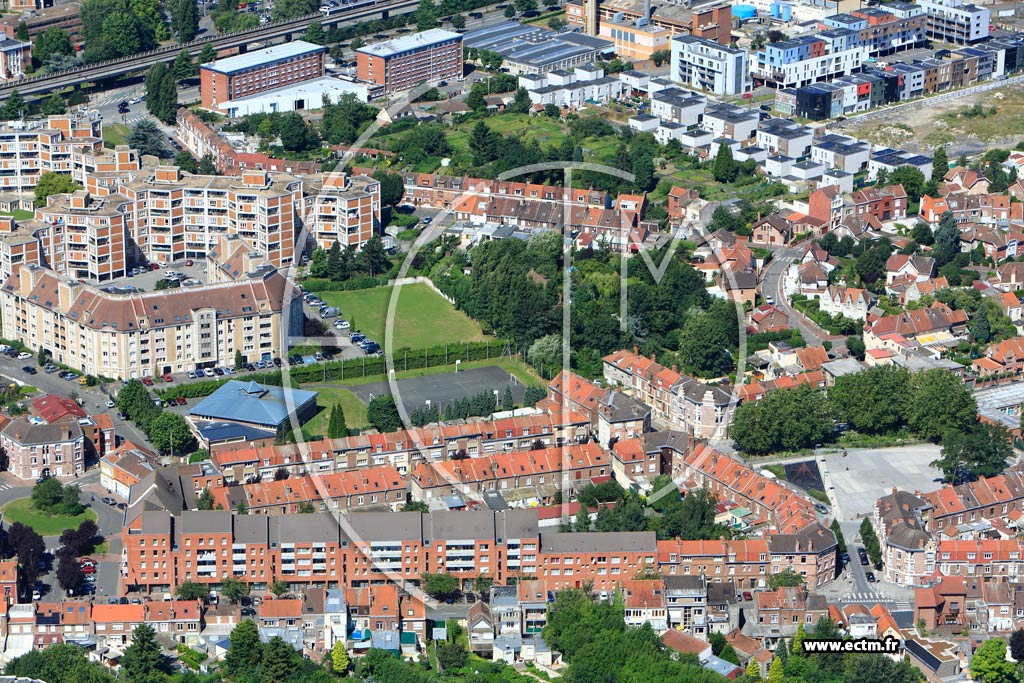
168	378
88	569
181	401
87	561
148	381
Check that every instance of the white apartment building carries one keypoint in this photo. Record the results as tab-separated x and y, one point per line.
956	21
573	89
707	65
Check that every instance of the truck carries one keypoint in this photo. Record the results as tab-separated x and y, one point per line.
330	312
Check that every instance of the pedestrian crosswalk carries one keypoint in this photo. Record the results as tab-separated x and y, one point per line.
873	598
5	487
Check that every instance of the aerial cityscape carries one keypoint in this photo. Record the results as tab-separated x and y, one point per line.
454	341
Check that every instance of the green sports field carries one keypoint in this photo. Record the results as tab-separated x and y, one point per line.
423	318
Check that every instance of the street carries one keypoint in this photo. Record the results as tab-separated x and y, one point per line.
772	285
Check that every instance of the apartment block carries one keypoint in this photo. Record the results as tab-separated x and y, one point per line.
956	21
801	61
133	334
27	150
177	215
342	208
403	63
15	55
247	74
84	236
707	65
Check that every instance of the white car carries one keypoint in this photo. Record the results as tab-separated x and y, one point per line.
134	100
110	404
24	355
343	324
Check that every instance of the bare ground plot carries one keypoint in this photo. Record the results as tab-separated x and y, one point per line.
954	123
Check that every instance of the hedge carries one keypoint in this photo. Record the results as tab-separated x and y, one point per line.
320	284
366	366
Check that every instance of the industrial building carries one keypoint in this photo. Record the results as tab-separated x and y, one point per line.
298	97
271	68
528	49
403	63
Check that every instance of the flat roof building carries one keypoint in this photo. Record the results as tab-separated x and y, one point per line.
297	97
531	49
271	68
403	63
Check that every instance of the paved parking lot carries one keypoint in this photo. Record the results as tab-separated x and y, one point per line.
865	475
440	389
147	281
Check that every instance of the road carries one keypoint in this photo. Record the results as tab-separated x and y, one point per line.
286	29
772	285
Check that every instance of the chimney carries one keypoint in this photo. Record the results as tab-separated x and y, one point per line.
675	368
636	349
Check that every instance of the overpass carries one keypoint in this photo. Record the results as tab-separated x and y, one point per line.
285	28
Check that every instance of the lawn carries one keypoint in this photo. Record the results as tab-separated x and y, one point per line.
115	134
19	214
21	510
423	318
327	398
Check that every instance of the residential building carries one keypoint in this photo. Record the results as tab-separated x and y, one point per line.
15	55
707	65
402	63
956	21
343	209
136	334
849	302
800	61
247	74
572	90
44	450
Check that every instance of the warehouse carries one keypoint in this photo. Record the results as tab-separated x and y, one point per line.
534	50
298	97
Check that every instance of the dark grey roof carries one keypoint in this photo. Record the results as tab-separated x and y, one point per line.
305	528
611	542
684	584
251	529
672	439
813	538
616	406
516	524
205	521
23	432
382	526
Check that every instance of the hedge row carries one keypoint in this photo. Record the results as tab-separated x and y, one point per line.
367	366
320	284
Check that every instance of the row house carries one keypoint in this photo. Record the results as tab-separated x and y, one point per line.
883	204
908	556
1009	277
996	243
644	603
376	487
755	391
522	474
937	318
770	503
620	416
1002	357
987	498
601	560
980	558
404	448
900	266
684	403
849	302
779	613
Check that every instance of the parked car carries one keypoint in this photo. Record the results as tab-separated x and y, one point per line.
168	377
148	381
200	373
870	576
88	569
24	355
191	374
110	404
109	501
747	595
30	370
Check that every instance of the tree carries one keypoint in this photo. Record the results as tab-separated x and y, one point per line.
51	183
775	672
186	20
233	589
643	171
279	660
940	165
724	167
315	33
207	166
170	433
838	531
875	401
981	332
190	590
186	162
483	144
425	15
290	9
911	179
545	354
870	541
451	655
458	21
162	93
207	54
982	451
787	577
246	651
46	495
14	106
797	646
552	110
782	650
28	547
183	66
21	32
507	401
947	240
941	403
660	57
146	138
855	345
440	586
533	394
204	501
510	11
392	187
526	5
336	428
142	661
989	663
53	105
339	658
1017	645
373	259
753	670
54	42
69	572
278	587
785	419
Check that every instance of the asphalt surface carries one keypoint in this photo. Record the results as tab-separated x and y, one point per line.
772	285
441	389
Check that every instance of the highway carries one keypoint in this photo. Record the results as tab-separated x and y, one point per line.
286	29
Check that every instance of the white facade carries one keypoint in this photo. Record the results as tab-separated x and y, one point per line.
706	65
807	71
955	21
573	90
678	106
299	97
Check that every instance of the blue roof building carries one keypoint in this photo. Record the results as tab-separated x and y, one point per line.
251	403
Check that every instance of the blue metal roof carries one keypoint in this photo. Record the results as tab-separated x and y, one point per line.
252	403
